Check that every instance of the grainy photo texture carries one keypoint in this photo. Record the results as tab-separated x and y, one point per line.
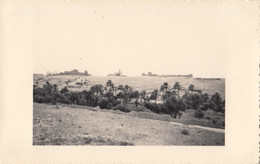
151	78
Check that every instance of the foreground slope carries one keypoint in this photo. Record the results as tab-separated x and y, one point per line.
66	125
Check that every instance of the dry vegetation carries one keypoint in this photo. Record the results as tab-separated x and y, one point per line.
77	125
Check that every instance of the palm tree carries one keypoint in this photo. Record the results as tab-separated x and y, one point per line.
110	85
55	88
177	86
97	89
191	88
216	98
120	87
161	92
115	89
143	94
154	95
199	91
164	89
165	84
136	95
205	97
109	82
127	90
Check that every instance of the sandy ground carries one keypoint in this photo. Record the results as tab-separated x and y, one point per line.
57	125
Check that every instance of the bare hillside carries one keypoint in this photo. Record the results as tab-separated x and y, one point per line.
65	125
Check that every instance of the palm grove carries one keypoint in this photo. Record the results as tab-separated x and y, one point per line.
109	96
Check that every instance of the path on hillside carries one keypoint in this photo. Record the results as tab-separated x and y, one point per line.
67	125
200	127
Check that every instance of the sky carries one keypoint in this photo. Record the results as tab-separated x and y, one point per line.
162	38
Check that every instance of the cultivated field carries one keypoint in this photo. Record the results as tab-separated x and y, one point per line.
80	125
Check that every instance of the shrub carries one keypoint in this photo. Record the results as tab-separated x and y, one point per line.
63	99
53	101
147	105
216	103
109	94
73	97
82	101
123	108
156	108
41	95
113	101
214	120
199	114
47	99
64	90
109	106
196	101
216	107
38	98
204	106
103	103
174	106
185	132
55	97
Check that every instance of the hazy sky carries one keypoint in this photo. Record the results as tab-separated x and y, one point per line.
164	38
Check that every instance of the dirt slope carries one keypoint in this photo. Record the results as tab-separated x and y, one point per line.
54	125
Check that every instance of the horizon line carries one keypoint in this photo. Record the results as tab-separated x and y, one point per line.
140	75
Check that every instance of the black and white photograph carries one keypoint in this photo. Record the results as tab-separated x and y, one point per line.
128	80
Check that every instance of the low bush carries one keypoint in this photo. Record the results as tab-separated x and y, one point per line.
108	103
204	106
147	105
172	106
123	108
214	120
82	102
156	108
199	114
109	106
113	101
104	104
185	132
38	99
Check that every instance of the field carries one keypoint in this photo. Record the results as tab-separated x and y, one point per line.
79	125
137	83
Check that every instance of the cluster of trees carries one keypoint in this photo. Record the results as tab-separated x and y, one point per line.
174	99
50	94
106	97
178	98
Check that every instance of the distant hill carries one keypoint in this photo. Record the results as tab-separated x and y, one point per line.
37	75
